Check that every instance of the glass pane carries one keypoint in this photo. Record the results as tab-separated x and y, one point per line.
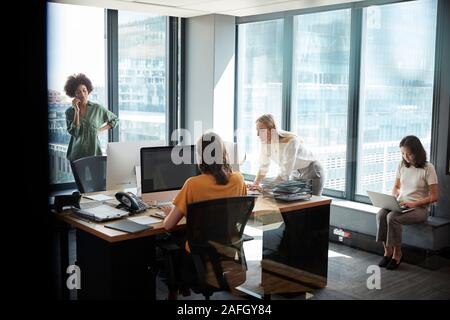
260	73
75	45
396	87
320	89
142	77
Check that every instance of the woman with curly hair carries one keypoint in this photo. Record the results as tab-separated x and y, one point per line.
85	119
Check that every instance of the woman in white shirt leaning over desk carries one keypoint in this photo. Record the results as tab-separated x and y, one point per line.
286	149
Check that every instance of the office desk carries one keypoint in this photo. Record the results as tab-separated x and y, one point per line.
119	265
113	264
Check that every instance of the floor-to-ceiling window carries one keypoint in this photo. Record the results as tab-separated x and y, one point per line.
396	94
260	72
320	88
75	44
142	77
361	78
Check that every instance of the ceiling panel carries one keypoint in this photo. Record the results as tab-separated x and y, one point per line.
229	5
137	6
283	6
192	8
171	3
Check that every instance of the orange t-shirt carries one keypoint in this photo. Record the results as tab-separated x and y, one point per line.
204	187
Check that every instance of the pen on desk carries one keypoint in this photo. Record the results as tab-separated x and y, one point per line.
158	215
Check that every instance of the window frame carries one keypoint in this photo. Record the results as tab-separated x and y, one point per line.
175	84
356	30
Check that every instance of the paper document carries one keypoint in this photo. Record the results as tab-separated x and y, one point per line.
145	220
99	197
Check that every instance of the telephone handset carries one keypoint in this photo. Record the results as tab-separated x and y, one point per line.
131	202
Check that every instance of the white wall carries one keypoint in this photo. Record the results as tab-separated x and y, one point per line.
210	47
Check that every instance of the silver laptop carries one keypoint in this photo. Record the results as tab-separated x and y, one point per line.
99	213
386	201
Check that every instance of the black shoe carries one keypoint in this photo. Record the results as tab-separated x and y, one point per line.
392	265
384	262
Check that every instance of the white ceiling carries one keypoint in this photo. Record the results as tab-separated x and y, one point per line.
192	8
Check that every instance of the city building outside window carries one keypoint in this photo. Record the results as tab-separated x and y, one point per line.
142	77
75	44
260	80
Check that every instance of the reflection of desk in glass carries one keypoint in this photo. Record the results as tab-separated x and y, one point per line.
115	264
293	248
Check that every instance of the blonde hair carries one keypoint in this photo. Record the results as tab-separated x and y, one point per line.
269	122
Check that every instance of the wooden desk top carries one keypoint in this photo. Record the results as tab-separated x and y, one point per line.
263	205
266	203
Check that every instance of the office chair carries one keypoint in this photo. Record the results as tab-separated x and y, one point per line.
214	235
90	173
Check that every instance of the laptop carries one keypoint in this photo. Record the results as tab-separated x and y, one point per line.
386	201
100	213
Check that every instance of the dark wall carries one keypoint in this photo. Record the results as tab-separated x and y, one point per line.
28	183
442	116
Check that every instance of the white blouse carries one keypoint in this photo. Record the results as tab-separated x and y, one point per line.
415	182
289	156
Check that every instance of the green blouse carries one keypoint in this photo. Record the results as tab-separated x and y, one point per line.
84	141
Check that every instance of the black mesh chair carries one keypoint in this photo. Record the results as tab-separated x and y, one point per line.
215	238
90	173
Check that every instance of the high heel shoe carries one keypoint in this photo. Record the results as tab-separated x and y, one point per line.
385	261
392	265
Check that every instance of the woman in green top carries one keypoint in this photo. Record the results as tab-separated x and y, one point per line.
85	119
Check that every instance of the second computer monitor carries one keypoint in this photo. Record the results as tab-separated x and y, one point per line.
121	162
167	168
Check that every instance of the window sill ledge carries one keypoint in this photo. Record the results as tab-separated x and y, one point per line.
354	205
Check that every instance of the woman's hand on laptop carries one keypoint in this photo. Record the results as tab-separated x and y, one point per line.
408	204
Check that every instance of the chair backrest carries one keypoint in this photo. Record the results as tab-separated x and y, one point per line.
220	221
90	173
214	235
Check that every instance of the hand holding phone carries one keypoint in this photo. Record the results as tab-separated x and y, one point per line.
76	104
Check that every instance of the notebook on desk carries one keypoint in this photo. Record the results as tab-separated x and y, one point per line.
127	226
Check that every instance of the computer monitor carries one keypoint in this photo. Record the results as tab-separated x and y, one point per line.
161	176
121	162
